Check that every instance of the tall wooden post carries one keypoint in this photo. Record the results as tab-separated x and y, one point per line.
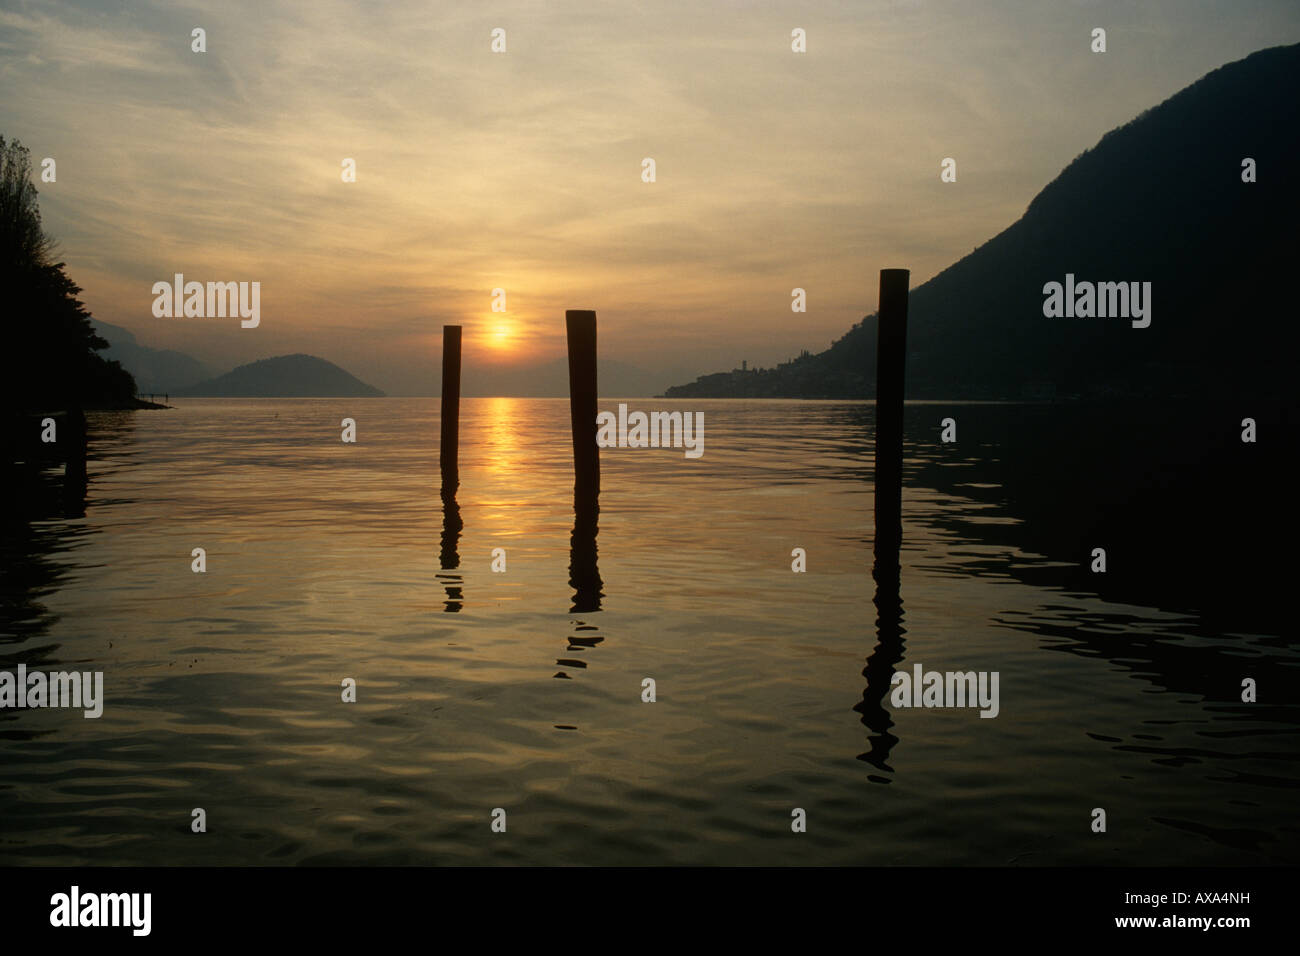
891	360
449	450
580	325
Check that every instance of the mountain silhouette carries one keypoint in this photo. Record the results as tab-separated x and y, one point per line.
155	370
284	376
1160	200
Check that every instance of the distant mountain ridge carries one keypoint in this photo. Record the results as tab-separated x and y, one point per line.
284	376
155	370
1161	200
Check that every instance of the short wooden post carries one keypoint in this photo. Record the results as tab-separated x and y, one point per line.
891	361
581	328
449	450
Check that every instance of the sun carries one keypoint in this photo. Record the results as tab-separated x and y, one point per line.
501	335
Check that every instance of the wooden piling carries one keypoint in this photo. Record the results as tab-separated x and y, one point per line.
584	570
580	326
449	449
891	361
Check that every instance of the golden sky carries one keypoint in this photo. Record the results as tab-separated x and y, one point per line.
522	170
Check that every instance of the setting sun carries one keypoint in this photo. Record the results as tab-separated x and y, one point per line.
501	336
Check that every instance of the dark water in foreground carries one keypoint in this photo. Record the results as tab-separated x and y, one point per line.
479	690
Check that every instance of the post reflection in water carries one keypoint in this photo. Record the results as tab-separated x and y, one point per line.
584	577
449	556
887	573
879	672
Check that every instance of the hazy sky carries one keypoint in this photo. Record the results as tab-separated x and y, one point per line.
522	170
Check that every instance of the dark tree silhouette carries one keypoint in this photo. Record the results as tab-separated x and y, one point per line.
50	359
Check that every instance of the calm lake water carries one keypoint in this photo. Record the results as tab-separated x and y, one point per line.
523	690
